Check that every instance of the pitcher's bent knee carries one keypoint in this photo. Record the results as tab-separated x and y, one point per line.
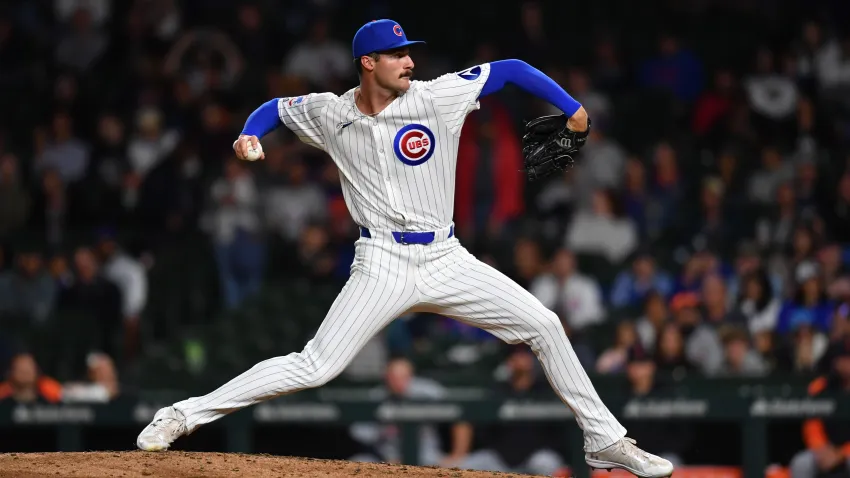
301	370
545	327
318	371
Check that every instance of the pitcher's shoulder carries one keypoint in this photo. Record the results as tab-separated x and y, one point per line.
419	87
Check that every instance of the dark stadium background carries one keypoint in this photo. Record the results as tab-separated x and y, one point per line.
719	158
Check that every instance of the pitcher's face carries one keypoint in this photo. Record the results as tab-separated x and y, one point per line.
394	70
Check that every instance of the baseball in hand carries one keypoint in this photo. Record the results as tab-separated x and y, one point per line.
254	152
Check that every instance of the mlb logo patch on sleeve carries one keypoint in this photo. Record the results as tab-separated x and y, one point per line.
470	73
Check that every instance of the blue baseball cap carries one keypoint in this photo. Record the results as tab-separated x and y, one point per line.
379	35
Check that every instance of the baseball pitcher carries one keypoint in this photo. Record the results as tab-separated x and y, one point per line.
395	141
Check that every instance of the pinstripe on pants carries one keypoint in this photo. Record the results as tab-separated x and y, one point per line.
390	279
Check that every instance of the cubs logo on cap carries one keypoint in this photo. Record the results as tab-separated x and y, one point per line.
379	35
414	144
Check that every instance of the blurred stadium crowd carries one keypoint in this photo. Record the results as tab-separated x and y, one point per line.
704	230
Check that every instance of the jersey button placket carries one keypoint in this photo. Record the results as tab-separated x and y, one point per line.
383	158
385	169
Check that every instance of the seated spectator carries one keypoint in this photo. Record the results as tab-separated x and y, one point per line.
773	172
488	194
701	263
632	286
381	442
804	244
772	95
314	254
827	442
173	193
60	272
101	385
149	146
807	185
655	316
774	229
291	204
667	184
320	58
669	439
574	297
25	383
713	298
581	87
809	299
841	322
130	276
636	198
604	160
98	300
757	304
832	65
710	223
767	345
519	448
669	353
602	231
676	69
100	10
613	360
527	264
235	227
713	105
702	345
747	261
831	262
805	346
740	360
64	152
84	44
55	208
28	292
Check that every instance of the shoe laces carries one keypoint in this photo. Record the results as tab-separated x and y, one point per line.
161	424
629	447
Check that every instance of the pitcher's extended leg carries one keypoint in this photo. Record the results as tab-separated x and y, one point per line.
460	286
466	289
379	290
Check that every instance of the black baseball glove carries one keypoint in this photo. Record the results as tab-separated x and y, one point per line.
548	145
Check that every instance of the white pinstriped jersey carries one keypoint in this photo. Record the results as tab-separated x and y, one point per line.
397	168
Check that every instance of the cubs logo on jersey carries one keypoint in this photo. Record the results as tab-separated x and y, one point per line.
414	144
295	101
470	73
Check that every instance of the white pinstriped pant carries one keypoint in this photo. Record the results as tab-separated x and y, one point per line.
390	279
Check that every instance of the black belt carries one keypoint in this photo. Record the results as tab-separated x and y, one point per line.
409	237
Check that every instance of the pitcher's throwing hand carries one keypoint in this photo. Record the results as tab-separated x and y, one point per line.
247	148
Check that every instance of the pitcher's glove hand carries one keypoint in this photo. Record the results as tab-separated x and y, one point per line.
548	145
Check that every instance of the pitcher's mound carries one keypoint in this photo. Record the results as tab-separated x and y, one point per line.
177	464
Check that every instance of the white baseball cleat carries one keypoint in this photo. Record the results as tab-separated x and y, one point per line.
168	424
627	456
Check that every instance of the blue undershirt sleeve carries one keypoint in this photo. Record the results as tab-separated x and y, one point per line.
532	81
263	120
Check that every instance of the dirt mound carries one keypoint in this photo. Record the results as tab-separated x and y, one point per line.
176	464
